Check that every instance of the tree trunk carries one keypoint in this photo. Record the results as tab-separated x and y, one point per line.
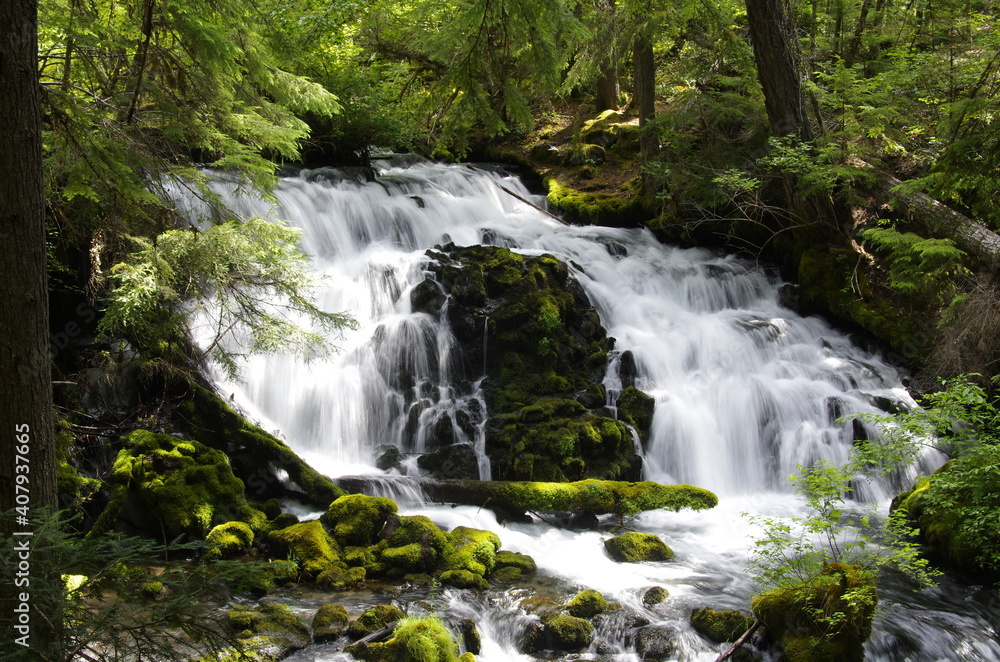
777	68
27	449
644	79
607	92
937	219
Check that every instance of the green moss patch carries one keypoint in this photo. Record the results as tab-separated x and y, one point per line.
356	519
825	619
308	544
587	604
329	622
181	488
566	633
229	540
610	209
413	640
720	626
374	619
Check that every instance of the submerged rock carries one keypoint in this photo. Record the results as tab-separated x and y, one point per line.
654	596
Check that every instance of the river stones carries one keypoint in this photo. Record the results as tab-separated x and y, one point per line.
634	547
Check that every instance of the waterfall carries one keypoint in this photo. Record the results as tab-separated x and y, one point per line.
745	388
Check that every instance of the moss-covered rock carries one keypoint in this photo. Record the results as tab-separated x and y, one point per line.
308	544
636	409
464	579
654	596
373	620
635	547
720	626
615	210
413	640
152	590
274	621
229	540
950	508
474	550
165	486
522	562
566	633
329	623
356	519
587	604
545	356
259	459
338	578
826	619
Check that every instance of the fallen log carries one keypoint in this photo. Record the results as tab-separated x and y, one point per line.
936	218
600	497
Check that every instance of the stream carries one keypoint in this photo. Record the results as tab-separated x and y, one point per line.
746	390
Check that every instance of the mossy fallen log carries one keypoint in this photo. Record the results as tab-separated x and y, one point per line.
600	497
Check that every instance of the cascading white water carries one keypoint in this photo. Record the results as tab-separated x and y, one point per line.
745	388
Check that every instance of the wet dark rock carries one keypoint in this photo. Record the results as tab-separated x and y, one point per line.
456	461
390	458
654	596
655	642
426	297
530	324
627	369
471	641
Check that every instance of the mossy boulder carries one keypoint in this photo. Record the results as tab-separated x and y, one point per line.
373	620
271	630
229	540
356	519
338	578
566	633
265	464
635	547
413	640
329	623
587	604
720	626
309	544
522	562
826	619
654	596
622	210
474	550
950	507
165	486
464	579
545	355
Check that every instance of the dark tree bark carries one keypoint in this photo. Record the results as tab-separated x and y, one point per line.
607	92
25	369
644	78
777	68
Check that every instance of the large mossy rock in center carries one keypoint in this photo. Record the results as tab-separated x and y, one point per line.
545	354
826	619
